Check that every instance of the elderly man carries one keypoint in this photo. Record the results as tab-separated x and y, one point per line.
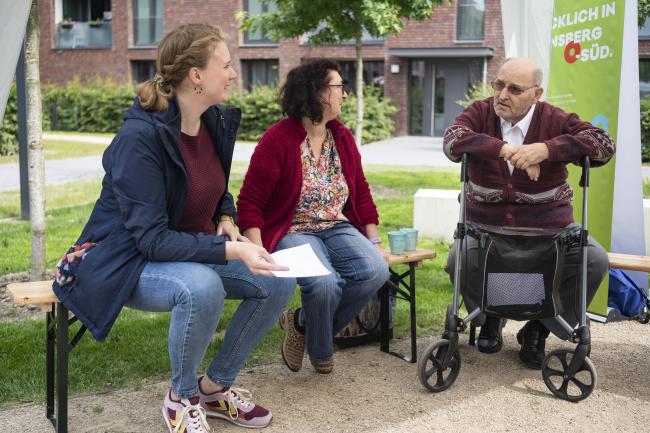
518	149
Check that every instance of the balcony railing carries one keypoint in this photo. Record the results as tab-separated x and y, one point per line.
81	35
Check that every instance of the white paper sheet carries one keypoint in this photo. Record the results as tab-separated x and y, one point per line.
301	261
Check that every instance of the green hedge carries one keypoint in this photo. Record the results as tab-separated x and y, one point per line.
98	107
377	112
645	129
260	109
9	130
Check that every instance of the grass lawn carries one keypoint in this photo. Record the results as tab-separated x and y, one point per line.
136	348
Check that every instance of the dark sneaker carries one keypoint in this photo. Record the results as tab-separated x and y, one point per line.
184	416
293	344
235	405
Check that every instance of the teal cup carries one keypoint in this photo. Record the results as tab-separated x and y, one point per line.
411	238
397	242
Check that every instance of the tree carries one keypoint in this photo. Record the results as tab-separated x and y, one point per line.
36	172
338	21
643	9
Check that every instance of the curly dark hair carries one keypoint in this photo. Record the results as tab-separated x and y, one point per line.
299	96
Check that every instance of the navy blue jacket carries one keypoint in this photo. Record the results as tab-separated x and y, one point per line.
142	198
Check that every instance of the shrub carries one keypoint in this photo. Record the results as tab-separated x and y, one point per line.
260	109
9	130
477	92
645	129
377	112
98	106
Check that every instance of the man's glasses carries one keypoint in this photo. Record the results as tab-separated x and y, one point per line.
513	89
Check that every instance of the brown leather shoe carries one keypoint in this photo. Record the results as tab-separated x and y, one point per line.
293	344
323	367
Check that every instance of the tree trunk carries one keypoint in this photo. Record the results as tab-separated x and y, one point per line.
36	172
359	126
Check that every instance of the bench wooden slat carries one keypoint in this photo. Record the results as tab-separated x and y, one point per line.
33	293
410	256
630	262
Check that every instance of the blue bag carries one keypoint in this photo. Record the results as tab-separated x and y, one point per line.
624	294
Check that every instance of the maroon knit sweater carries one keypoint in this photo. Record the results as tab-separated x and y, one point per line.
496	197
206	182
271	189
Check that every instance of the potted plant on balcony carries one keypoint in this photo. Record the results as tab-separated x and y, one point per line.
66	23
96	22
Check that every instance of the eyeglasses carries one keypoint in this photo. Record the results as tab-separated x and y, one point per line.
344	87
513	89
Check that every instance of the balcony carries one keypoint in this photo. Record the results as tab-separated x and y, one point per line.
84	35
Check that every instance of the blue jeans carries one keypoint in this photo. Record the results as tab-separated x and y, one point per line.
331	301
195	293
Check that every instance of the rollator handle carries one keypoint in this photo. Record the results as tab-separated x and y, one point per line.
584	179
463	168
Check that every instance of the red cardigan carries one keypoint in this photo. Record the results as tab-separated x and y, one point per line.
271	189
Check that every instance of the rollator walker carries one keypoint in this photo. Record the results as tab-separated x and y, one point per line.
519	291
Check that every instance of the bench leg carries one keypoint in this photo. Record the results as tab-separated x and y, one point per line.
384	316
62	369
414	355
50	340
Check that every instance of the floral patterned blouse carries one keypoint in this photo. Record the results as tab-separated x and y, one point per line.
324	189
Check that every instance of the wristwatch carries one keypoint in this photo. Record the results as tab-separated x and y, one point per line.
227	218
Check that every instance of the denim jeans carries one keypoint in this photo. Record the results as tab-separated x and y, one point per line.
331	301
195	293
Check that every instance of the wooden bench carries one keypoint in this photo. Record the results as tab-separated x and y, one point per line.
401	286
629	262
57	320
58	345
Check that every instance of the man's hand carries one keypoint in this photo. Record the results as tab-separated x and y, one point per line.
227	228
533	172
529	155
507	151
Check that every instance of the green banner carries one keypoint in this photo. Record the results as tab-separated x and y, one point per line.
584	78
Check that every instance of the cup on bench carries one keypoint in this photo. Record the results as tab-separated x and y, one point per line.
411	238
397	242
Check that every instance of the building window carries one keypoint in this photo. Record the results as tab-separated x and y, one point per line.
83	24
147	22
256	7
373	73
142	70
86	10
470	21
366	38
259	73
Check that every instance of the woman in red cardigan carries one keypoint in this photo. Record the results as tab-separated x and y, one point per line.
305	184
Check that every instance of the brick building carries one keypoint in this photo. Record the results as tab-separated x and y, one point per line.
424	70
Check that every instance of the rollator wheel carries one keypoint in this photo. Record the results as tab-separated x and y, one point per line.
430	372
575	388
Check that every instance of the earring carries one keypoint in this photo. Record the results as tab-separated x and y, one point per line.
198	90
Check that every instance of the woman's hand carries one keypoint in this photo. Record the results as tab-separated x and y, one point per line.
227	228
256	258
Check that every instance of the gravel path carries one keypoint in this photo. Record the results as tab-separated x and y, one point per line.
373	392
